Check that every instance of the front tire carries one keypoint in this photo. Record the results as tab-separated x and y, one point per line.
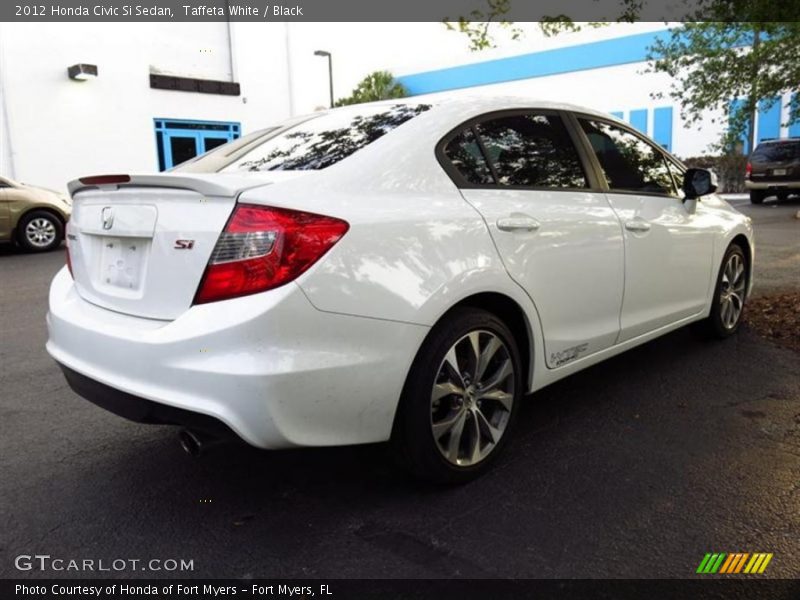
729	295
40	231
756	197
460	399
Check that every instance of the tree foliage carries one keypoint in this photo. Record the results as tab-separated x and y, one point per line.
715	62
722	50
380	85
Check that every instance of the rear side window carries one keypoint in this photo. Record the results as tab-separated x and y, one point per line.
326	140
465	154
628	162
532	150
525	150
776	152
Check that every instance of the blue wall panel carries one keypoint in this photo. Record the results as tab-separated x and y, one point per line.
638	118
794	130
662	127
594	55
735	106
617	113
769	120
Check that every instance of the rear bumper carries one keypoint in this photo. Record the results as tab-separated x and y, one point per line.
771	185
270	367
141	410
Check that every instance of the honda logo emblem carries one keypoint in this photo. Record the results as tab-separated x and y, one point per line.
108	217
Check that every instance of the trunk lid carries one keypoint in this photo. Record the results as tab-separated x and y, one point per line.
141	247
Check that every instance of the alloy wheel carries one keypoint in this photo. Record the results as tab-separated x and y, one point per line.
472	398
40	232
731	294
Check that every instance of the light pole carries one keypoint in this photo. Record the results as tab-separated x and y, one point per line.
330	69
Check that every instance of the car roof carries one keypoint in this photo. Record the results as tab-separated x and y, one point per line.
474	103
779	141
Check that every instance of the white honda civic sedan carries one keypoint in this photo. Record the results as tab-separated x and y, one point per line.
395	271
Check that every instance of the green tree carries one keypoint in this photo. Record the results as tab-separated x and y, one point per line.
713	63
380	85
713	57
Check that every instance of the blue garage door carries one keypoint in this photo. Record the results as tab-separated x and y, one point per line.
179	140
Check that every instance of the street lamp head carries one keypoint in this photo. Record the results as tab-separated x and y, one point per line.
321	53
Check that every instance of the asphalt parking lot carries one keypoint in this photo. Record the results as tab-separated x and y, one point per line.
634	468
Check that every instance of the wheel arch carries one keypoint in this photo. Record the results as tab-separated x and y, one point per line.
40	208
513	315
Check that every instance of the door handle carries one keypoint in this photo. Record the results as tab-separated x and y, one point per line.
638	225
518	224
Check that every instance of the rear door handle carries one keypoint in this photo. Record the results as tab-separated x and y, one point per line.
518	224
638	225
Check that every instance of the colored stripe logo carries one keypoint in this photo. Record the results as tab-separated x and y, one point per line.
734	563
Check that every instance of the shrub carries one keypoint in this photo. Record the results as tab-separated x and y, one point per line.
728	167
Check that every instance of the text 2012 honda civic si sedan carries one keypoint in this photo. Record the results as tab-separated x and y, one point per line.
392	271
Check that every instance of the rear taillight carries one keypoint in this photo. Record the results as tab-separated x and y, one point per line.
748	170
264	247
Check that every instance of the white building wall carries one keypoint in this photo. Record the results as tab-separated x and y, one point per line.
59	129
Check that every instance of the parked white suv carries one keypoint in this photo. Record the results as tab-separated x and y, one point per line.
392	271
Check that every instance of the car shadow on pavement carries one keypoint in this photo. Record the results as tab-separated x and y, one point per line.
9	249
618	459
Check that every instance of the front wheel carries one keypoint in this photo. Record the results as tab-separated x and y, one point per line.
460	399
729	295
40	231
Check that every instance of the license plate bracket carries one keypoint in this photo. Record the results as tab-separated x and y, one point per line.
121	261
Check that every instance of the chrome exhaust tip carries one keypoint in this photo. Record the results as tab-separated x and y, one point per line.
193	443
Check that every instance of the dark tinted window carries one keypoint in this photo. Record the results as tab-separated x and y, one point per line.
776	152
465	154
532	150
183	148
629	163
324	141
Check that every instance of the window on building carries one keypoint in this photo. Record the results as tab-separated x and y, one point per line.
326	140
465	154
628	162
532	150
179	140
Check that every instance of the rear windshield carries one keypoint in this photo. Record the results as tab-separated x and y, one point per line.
323	141
779	151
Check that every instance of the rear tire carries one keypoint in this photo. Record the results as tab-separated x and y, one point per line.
729	299
756	196
454	389
40	231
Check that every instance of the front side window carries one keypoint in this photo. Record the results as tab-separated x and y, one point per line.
465	155
629	163
323	141
532	150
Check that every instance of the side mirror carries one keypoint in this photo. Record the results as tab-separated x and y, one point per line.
699	182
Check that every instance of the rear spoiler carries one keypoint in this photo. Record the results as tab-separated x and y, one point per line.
207	185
